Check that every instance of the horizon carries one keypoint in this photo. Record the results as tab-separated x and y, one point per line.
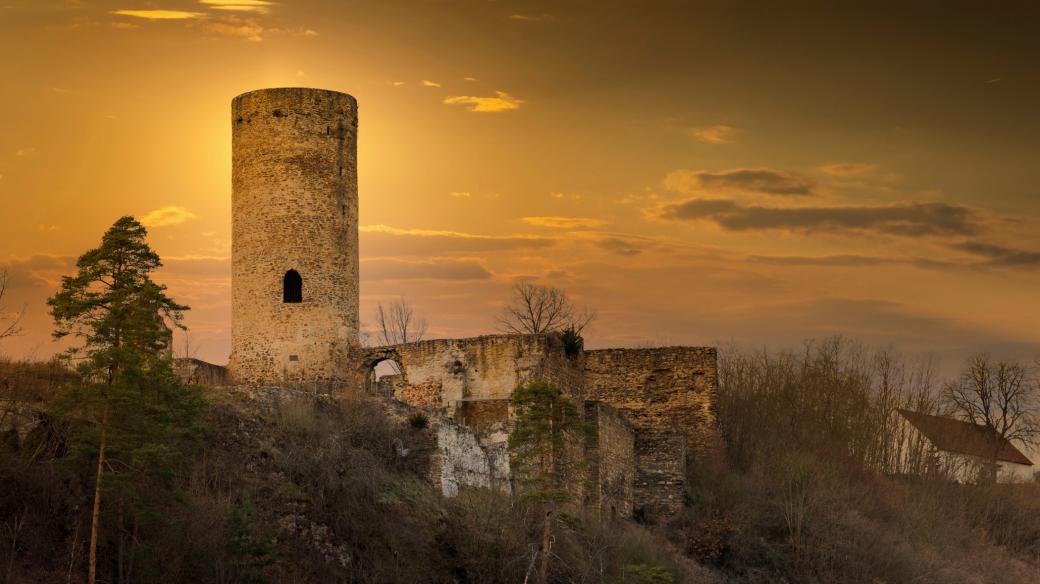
698	175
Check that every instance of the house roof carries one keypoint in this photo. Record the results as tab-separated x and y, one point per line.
963	437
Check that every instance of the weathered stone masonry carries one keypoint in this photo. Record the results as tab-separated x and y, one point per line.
294	207
295	320
647	408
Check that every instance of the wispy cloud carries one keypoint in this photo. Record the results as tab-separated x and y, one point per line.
914	219
999	255
501	102
25	151
543	17
160	14
461	194
397	83
849	168
719	134
564	222
457	269
258	6
619	246
399	241
164	216
741	180
428	83
242	28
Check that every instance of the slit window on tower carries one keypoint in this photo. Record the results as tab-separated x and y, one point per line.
292	287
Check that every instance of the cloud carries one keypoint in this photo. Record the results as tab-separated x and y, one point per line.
397	83
500	103
243	28
469	78
461	194
164	216
558	195
743	180
461	269
564	222
719	134
998	255
259	6
839	260
849	168
543	17
428	83
160	14
26	151
914	219
38	270
425	242
622	247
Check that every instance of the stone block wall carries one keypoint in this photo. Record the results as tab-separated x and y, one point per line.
669	396
198	372
443	373
611	459
294	207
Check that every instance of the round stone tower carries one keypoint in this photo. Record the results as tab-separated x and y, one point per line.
294	236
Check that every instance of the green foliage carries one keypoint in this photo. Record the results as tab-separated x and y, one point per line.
419	421
130	409
573	342
545	420
250	546
647	574
113	305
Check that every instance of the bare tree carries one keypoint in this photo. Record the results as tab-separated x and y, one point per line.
397	323
542	309
9	323
1003	396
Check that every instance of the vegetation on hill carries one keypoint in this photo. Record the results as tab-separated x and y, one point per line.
113	470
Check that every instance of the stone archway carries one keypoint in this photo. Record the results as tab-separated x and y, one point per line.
370	360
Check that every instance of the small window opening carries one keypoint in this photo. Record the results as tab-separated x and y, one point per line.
292	287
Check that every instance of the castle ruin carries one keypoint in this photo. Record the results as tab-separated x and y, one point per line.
295	321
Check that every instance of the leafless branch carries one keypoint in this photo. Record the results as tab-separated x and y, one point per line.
541	309
397	323
9	323
1003	396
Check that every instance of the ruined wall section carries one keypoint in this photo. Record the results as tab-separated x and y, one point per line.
294	207
198	372
669	396
611	461
445	373
465	458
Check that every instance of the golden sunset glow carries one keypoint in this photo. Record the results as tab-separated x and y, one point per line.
697	173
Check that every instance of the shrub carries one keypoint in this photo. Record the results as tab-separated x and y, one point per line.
419	421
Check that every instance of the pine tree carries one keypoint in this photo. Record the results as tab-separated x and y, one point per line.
545	422
137	413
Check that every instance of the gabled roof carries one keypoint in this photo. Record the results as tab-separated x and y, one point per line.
963	437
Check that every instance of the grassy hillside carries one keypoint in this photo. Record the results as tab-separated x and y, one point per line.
292	487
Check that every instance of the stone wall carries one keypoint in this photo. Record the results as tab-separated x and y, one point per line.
611	459
443	373
198	372
669	396
294	207
466	458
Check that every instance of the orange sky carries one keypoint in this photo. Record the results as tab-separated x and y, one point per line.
696	173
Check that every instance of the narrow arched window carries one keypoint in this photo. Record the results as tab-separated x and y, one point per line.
292	287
